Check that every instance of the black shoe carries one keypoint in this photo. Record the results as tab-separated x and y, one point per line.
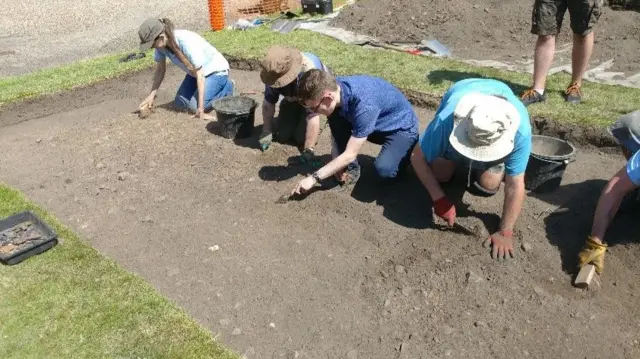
532	96
573	94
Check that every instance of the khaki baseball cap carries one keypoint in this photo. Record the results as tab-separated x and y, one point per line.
280	66
150	29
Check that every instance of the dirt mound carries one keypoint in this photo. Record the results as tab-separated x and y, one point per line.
487	29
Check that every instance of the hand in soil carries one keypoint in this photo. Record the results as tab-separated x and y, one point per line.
147	103
304	186
501	243
203	116
444	209
592	253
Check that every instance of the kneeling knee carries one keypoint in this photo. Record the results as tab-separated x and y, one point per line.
386	170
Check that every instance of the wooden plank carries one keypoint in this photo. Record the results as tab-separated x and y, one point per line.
586	274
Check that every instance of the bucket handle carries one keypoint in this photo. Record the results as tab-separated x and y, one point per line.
565	161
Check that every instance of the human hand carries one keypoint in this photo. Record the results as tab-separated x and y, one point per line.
308	156
501	243
592	253
203	116
147	103
265	140
304	186
445	210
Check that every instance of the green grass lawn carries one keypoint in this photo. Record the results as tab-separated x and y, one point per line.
71	302
602	103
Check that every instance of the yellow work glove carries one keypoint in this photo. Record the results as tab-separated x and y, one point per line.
592	253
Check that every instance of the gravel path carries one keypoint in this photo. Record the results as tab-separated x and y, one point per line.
36	34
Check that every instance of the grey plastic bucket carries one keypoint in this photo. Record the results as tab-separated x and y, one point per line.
236	115
549	159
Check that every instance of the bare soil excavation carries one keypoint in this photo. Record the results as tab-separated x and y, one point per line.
365	274
490	29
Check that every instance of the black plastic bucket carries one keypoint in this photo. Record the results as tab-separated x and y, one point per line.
236	115
549	159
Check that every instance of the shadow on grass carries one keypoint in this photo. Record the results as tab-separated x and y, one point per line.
439	76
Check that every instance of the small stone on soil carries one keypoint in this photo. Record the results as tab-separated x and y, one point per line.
122	176
406	291
38	140
352	354
480	323
539	291
447	330
474	278
100	165
384	274
272	325
224	322
214	248
399	269
147	219
526	246
236	331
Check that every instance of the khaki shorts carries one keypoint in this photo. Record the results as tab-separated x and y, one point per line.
548	14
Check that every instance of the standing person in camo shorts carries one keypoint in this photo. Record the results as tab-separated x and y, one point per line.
282	68
546	23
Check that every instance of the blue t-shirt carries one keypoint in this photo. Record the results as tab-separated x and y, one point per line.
271	95
633	168
198	51
371	104
435	140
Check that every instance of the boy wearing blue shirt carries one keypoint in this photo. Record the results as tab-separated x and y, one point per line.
627	132
360	108
484	127
282	68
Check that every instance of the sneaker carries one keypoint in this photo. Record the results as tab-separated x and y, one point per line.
532	96
573	94
353	174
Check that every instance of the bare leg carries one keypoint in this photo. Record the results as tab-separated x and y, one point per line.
490	180
543	57
443	169
582	49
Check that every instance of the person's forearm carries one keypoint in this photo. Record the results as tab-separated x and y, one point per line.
268	111
514	194
607	208
158	77
201	81
313	129
425	174
336	165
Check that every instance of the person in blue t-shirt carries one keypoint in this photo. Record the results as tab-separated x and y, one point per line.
359	108
484	127
624	183
207	70
282	68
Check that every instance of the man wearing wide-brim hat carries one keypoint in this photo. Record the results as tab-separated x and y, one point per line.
482	126
619	192
282	68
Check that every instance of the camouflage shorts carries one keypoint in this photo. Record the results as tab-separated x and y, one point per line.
548	14
291	124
